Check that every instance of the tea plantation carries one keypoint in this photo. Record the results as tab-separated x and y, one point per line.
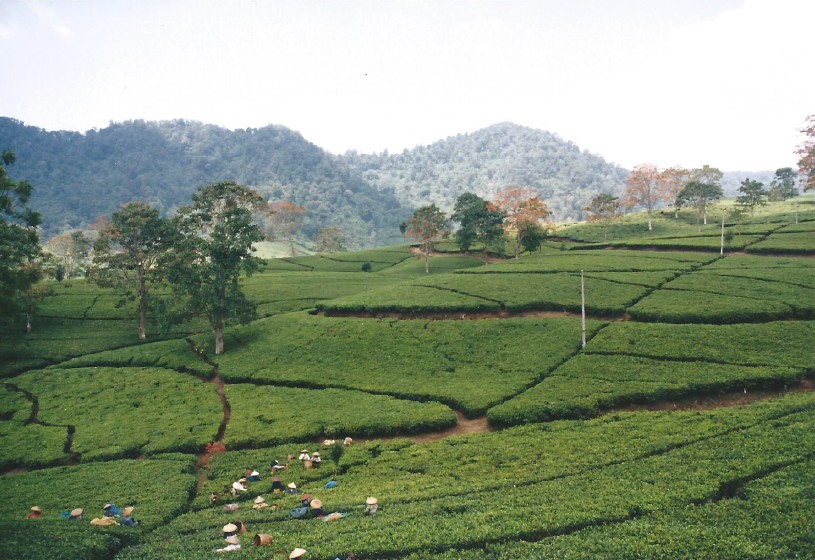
622	448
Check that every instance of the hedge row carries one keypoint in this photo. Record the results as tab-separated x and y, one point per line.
780	343
785	243
263	416
690	306
469	365
590	383
124	412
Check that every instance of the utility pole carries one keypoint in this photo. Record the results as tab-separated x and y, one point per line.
721	247
582	309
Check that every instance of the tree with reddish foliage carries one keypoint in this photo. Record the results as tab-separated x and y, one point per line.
604	208
643	189
522	209
806	165
287	218
671	182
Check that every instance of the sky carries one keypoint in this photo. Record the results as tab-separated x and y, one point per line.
727	83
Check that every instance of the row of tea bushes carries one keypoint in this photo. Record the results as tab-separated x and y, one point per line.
469	365
590	383
124	412
769	520
794	242
401	471
779	343
263	415
158	488
678	477
694	306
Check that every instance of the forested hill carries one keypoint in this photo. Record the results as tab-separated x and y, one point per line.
77	177
488	160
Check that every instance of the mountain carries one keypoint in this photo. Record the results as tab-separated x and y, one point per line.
487	160
77	177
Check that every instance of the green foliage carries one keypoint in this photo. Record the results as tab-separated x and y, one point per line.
19	269
590	383
263	416
794	243
780	343
467	371
478	221
125	412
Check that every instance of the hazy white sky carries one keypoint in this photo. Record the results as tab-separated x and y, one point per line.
669	82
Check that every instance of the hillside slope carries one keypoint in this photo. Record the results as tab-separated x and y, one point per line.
489	159
77	177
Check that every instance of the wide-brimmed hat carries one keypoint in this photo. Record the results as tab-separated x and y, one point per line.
237	485
107	506
128	510
230	527
241	480
302	451
292	485
76	512
370	501
316	503
315	454
297	553
254	473
260	500
233	539
37	509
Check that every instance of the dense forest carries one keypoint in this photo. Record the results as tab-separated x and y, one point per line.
488	160
78	177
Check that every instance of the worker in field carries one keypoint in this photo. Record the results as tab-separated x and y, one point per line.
371	505
315	459
305	499
260	503
292	488
297	553
317	508
75	514
34	513
275	466
252	475
230	530
111	510
277	486
304	456
232	543
127	517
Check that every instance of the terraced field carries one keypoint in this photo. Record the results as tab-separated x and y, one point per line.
562	468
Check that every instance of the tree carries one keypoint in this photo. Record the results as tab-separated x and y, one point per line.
213	248
426	225
127	253
783	186
643	189
753	194
699	195
806	151
329	239
72	249
671	182
19	258
521	207
478	220
287	218
604	208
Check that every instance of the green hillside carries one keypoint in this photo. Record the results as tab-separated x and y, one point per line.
486	429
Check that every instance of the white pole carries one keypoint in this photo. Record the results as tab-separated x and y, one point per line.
795	206
582	309
721	248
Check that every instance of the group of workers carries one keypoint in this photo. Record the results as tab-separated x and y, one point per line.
111	515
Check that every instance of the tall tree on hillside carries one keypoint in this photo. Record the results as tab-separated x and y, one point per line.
699	195
753	194
213	248
521	208
478	221
643	189
329	239
426	225
707	174
783	186
287	218
604	208
806	151
671	182
127	252
19	243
